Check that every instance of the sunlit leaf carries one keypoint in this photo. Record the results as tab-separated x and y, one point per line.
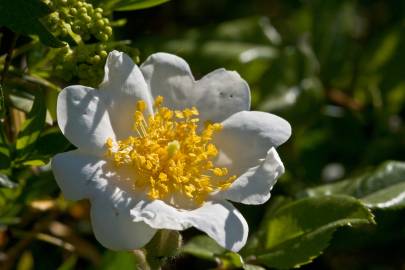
382	188
126	5
253	267
6	182
31	128
299	231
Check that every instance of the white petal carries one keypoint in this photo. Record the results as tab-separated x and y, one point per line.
247	137
122	87
83	176
254	186
222	93
83	118
169	76
114	228
220	220
217	95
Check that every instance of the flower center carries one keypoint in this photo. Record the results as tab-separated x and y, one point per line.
170	157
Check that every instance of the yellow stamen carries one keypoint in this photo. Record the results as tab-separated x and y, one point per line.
169	156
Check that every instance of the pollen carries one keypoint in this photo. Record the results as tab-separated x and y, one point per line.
169	154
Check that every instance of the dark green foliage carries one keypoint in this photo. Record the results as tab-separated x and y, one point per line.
23	16
333	69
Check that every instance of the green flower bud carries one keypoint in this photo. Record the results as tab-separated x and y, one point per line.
100	23
96	58
89	9
103	37
98	15
73	11
103	54
108	30
87	18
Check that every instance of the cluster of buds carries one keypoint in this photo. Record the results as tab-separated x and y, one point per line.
84	61
77	17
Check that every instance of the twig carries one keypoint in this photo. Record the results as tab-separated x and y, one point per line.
12	254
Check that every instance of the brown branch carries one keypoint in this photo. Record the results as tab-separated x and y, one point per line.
341	98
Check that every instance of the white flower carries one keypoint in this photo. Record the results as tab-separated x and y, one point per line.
160	168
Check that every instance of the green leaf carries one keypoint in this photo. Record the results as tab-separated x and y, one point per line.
39	187
205	248
6	182
253	267
69	263
382	188
5	152
49	143
22	16
127	5
31	129
9	205
299	231
118	260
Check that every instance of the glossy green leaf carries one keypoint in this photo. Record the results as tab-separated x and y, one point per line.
299	231
49	143
253	267
118	260
23	16
381	188
206	248
31	129
127	5
6	182
203	247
